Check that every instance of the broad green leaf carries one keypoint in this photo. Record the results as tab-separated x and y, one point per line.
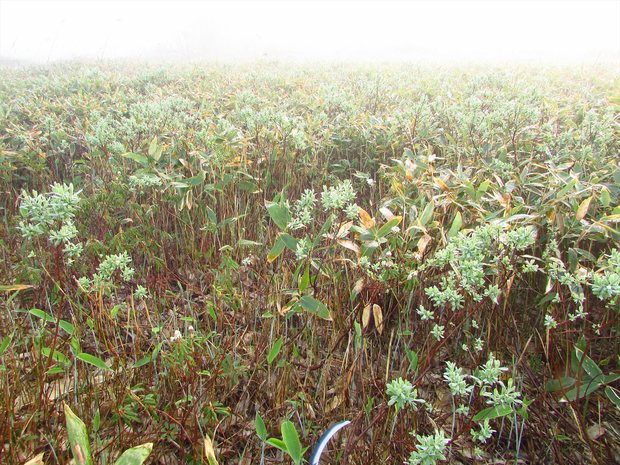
589	365
304	281
314	306
248	186
195	180
412	356
211	215
136	455
275	350
483	187
91	359
96	422
155	150
387	227
291	439
56	355
143	361
261	429
427	213
614	395
143	160
279	213
41	314
605	197
560	384
276	250
289	241
5	343
569	186
156	350
469	188
275	442
608	379
78	438
457	223
114	311
67	327
583	390
493	412
324	229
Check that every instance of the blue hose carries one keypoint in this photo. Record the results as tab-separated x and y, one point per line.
324	439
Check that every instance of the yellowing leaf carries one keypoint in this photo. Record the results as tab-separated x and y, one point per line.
423	243
209	450
350	245
344	229
378	316
37	460
583	209
78	438
14	287
367	221
366	316
441	184
136	455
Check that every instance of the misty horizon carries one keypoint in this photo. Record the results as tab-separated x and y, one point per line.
446	31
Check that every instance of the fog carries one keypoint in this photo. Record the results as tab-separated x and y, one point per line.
440	31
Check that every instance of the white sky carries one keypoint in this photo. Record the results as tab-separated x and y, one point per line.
416	31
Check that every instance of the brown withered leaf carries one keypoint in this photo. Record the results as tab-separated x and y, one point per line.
367	220
377	314
366	316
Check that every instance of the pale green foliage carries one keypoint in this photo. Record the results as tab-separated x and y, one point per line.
505	395
490	372
606	282
429	449
473	259
352	211
402	394
142	181
140	293
438	331
484	170
424	313
52	214
484	433
456	380
303	210
303	248
550	322
338	196
106	272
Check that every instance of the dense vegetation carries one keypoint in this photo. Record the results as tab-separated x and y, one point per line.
206	258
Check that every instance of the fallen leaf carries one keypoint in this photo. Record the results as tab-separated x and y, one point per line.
595	431
37	460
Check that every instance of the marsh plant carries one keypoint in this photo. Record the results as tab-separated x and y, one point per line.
430	254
